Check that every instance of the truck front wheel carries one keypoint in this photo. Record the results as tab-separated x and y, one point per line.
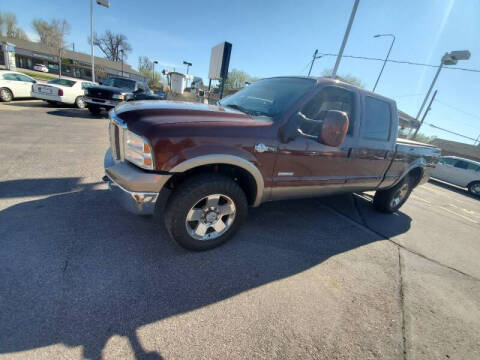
390	200
205	211
94	110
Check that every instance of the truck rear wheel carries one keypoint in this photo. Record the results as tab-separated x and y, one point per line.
205	211
390	200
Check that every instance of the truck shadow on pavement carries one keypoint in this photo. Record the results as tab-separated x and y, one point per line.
78	113
76	269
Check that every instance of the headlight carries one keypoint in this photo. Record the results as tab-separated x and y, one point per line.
118	96
138	151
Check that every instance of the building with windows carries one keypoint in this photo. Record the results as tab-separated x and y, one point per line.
74	64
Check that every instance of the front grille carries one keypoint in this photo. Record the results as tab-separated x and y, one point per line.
100	93
116	132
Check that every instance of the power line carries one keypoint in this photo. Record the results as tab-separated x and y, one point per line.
451	132
401	62
458	109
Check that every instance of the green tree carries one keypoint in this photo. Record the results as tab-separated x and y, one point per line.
145	67
236	79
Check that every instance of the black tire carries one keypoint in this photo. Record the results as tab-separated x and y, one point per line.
6	95
188	195
383	200
474	188
79	102
94	110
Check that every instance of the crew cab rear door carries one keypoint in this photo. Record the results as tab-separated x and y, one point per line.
375	148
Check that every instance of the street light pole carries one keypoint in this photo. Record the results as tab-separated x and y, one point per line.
188	65
91	40
105	3
153	69
313	60
386	58
121	50
450	58
345	38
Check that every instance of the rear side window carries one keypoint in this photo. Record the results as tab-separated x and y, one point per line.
9	77
377	119
449	161
473	167
461	164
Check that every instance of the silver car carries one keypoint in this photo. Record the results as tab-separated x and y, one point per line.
460	172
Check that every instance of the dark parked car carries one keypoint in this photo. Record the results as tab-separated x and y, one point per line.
277	138
113	91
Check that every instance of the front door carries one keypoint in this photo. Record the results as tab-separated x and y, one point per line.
24	85
306	167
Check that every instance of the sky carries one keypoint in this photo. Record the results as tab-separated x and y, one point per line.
273	37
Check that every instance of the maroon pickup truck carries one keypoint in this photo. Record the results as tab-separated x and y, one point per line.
202	166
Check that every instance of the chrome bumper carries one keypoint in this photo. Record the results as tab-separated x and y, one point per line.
101	102
136	190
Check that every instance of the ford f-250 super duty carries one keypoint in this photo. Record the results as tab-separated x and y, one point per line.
287	137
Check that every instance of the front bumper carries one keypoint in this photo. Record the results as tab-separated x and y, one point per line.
101	102
135	189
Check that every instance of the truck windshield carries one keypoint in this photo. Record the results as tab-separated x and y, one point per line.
268	97
120	83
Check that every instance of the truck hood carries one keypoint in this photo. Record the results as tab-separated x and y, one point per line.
112	89
161	112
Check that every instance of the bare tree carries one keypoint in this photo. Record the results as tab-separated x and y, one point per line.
111	44
9	27
52	34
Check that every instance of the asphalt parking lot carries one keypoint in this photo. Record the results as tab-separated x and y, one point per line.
317	278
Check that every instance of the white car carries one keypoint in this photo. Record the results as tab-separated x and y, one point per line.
460	172
64	91
40	67
15	85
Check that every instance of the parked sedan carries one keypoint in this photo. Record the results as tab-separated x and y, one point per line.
15	85
460	172
63	91
40	67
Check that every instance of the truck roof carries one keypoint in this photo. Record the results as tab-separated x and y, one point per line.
332	81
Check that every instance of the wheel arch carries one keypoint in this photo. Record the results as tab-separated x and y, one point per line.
7	88
241	170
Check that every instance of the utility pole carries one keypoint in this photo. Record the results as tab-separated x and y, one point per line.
345	38
121	51
153	69
313	60
429	107
450	58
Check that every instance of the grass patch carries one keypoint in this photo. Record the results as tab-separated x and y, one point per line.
37	75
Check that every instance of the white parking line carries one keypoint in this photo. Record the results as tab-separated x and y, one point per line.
462	216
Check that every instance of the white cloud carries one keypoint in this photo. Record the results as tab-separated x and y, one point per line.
33	36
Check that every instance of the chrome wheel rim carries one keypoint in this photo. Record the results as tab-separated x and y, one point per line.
400	195
6	96
80	103
210	217
475	189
